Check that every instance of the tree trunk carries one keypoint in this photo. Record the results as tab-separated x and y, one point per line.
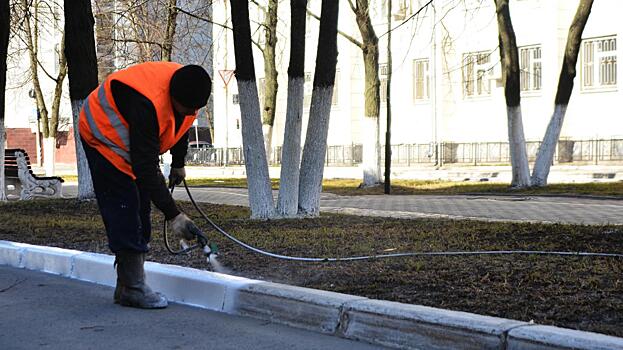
49	144
510	67
270	75
32	43
167	47
287	204
260	192
5	18
370	49
517	144
49	155
58	90
83	73
312	164
104	12
545	155
267	132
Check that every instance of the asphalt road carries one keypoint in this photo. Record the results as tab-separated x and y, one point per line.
43	311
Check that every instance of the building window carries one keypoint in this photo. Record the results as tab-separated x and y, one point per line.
599	63
383	80
421	80
477	73
308	89
335	95
530	68
308	24
261	91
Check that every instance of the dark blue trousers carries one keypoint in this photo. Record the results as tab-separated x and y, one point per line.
125	209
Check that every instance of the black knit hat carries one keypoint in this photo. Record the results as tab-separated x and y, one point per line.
191	86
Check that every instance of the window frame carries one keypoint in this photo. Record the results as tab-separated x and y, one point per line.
533	76
487	74
596	69
425	81
383	83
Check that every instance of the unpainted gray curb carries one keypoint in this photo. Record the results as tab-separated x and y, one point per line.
396	325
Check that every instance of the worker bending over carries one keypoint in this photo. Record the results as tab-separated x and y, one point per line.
136	115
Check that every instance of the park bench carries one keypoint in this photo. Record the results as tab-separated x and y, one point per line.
19	178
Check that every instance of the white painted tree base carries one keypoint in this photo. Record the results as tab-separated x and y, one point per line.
287	203
49	155
85	183
312	165
370	161
545	155
518	152
260	191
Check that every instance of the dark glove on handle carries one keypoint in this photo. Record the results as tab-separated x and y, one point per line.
176	176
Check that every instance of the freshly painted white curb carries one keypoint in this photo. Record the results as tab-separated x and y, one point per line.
49	259
194	287
421	327
397	325
306	308
550	338
10	254
93	267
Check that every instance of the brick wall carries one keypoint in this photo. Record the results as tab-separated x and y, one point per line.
65	147
22	138
26	139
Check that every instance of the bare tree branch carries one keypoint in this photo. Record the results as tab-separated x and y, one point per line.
346	36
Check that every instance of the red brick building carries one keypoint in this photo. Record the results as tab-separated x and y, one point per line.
25	138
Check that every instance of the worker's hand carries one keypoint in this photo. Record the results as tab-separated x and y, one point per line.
182	226
176	176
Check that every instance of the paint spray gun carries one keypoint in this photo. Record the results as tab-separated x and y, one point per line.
208	248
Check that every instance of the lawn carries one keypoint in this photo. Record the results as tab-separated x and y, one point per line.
350	187
574	292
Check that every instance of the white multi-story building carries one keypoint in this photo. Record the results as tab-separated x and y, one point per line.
446	76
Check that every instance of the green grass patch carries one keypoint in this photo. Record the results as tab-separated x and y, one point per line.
351	187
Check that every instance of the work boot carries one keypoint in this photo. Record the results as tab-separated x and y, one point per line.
119	285
131	287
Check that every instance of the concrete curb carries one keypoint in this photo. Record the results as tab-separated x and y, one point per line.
396	325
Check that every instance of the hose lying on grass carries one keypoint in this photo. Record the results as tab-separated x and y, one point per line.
211	248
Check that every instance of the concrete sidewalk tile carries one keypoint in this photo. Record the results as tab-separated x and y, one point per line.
96	268
419	327
305	308
11	254
49	259
549	338
192	286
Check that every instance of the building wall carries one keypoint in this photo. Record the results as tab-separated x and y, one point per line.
443	36
25	139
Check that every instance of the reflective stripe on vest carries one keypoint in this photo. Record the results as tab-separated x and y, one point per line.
98	135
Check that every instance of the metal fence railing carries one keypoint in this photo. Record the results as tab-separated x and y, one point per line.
470	153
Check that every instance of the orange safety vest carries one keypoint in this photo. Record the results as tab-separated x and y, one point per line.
104	128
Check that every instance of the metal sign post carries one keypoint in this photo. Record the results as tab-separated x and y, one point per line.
226	75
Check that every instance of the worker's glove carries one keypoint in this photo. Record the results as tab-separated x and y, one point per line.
176	176
182	226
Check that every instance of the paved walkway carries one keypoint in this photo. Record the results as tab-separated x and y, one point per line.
569	210
496	208
44	311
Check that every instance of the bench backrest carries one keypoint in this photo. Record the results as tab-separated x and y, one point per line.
10	161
